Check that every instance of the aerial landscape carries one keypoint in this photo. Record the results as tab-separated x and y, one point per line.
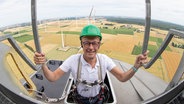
128	29
59	39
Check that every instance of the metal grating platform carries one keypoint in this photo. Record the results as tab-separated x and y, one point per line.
4	99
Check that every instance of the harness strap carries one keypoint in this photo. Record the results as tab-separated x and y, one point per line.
79	71
79	80
100	70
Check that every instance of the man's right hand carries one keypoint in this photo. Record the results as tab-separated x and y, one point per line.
39	58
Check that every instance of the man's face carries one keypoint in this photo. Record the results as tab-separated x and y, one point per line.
90	46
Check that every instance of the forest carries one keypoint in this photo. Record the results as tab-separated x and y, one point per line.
154	23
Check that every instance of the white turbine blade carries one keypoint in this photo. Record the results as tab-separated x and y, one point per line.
89	18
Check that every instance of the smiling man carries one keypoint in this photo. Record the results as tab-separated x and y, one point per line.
89	69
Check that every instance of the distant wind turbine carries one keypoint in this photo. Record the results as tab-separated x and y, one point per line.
89	18
63	43
94	16
76	23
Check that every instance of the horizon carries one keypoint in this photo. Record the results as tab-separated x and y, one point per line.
73	18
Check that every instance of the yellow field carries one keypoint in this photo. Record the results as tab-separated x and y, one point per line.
115	46
171	61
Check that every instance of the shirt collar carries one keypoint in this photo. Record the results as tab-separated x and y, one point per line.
85	63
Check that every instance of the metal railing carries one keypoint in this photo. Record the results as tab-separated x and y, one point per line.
170	35
18	50
34	25
163	46
147	26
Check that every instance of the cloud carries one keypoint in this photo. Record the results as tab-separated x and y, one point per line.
14	11
17	11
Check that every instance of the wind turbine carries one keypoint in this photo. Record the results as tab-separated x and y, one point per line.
62	37
94	16
76	22
89	18
62	40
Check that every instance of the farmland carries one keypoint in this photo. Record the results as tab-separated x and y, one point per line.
120	41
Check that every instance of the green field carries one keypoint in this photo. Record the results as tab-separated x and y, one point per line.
118	31
152	50
159	41
24	38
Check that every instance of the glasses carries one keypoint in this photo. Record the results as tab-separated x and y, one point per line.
94	44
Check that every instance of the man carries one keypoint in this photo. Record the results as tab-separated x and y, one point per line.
85	67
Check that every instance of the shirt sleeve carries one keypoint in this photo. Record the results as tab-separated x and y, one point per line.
109	63
66	65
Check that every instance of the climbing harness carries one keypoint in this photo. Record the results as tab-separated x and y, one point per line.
103	95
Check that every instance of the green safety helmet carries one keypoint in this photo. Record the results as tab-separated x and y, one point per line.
91	30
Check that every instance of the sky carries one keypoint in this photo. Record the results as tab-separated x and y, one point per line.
19	11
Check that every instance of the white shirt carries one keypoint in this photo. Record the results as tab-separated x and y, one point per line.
87	73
